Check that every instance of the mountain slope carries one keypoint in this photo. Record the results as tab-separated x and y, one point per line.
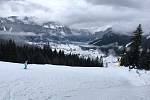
44	82
111	37
30	29
46	31
27	24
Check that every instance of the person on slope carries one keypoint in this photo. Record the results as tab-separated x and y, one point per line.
26	64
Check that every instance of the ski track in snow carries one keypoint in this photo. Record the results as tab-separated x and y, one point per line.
49	82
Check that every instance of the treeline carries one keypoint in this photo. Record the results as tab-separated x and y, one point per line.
136	56
10	52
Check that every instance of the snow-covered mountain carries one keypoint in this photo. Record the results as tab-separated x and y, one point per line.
109	36
31	29
99	28
29	24
46	31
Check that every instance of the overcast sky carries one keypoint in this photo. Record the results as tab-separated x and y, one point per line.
121	14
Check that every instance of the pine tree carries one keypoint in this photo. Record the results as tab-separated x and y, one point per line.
132	55
135	47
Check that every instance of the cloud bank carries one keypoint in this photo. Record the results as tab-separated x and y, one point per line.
123	15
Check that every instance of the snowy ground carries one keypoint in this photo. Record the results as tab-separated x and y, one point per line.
49	82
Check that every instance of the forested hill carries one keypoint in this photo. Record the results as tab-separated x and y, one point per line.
10	52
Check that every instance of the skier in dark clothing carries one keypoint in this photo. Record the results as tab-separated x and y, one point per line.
26	64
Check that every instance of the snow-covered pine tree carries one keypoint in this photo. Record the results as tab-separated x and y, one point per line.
131	56
135	46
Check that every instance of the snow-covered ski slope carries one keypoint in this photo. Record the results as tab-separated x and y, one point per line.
49	82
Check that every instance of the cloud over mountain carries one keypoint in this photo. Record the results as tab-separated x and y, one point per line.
121	14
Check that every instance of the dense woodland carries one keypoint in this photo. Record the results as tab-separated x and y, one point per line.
136	56
10	52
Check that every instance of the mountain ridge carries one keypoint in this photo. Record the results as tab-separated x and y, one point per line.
33	31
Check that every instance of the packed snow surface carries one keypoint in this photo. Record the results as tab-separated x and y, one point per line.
50	82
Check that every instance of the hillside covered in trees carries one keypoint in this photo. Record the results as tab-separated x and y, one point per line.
10	52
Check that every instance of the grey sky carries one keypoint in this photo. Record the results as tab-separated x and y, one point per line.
121	14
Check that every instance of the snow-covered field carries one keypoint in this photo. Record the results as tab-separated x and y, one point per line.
49	82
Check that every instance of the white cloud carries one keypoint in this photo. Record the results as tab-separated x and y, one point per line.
122	14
